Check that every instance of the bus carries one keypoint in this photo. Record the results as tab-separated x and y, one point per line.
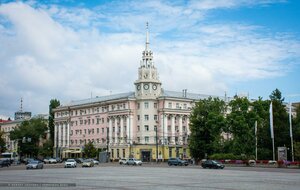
12	156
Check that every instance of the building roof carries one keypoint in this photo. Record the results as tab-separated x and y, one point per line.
186	95
101	99
128	95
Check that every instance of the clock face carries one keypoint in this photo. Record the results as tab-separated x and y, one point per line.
146	86
138	87
154	87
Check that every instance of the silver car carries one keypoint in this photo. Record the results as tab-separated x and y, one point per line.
35	164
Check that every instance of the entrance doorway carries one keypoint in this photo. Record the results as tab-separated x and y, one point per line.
146	155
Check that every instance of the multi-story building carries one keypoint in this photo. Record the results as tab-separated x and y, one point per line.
148	123
10	125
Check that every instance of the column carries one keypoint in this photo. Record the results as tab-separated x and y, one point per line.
188	125
122	130
64	135
116	130
68	134
59	134
110	129
130	128
166	128
55	135
173	132
127	129
180	129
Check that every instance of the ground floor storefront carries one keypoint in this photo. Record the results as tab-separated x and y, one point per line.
146	153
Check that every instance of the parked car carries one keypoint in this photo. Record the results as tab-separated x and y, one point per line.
79	160
46	160
52	161
58	160
122	161
4	162
70	163
177	162
212	164
132	161
88	163
96	162
28	160
35	164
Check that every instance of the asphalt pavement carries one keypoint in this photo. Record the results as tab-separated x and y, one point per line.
149	176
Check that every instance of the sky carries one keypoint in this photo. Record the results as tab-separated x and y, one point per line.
73	50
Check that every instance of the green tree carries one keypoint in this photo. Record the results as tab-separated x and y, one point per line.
54	103
89	150
29	134
240	122
47	149
2	142
296	133
206	123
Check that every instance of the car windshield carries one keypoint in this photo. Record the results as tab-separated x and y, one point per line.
215	162
70	160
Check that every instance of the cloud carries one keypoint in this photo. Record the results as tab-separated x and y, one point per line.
53	51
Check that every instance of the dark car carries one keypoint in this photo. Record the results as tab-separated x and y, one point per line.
4	162
177	162
212	164
79	160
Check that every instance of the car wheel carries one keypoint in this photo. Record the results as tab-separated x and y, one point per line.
169	164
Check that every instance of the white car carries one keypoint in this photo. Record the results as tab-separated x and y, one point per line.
96	162
132	161
52	161
122	161
70	163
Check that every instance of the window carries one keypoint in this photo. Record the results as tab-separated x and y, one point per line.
177	105
155	118
146	139
102	130
138	128
170	105
155	105
123	153
146	117
138	139
138	117
146	127
146	105
184	106
138	105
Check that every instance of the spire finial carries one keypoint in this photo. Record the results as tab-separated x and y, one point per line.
147	36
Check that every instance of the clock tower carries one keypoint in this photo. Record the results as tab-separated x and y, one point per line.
148	85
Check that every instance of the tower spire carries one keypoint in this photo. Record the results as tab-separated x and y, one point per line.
147	36
21	108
